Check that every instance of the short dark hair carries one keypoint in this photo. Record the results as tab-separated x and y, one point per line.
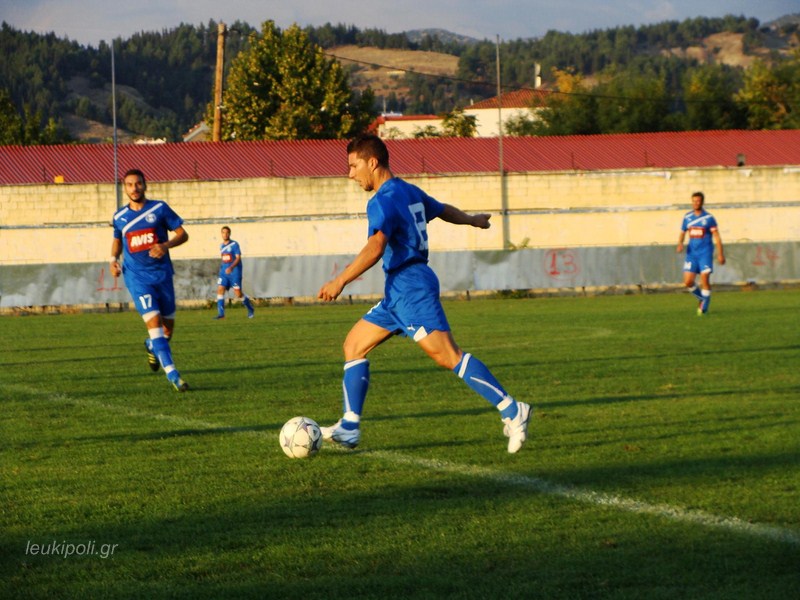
368	145
700	195
226	227
137	172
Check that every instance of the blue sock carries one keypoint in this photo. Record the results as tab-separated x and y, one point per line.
477	376
355	384
706	298
162	351
221	306
247	304
696	291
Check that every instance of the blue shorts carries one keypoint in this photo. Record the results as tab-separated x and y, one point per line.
152	297
699	262
411	305
234	280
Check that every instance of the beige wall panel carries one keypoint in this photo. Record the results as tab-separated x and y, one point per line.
310	216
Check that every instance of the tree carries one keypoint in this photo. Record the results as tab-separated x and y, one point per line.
27	129
284	88
429	131
572	110
520	125
709	96
771	96
629	102
11	127
457	124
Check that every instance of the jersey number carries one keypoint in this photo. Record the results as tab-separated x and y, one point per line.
418	213
147	301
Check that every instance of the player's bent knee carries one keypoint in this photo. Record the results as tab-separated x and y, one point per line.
445	358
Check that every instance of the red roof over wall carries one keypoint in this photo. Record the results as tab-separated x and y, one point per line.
326	158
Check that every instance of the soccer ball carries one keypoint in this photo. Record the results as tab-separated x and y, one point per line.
300	437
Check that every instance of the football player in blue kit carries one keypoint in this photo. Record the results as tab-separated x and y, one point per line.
141	232
230	275
703	236
398	214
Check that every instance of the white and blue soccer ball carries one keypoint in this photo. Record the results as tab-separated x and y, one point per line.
301	437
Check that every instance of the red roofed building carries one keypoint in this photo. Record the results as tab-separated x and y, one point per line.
512	105
487	115
209	161
399	127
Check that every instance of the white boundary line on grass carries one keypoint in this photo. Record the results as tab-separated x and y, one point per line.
771	532
541	486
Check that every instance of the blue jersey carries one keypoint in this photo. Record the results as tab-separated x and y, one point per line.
141	230
700	230
401	211
229	252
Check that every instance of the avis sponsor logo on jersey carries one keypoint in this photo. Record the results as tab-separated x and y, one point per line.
697	232
141	240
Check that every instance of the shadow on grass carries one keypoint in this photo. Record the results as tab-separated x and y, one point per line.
442	536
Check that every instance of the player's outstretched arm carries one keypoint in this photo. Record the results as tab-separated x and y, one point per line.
456	216
369	255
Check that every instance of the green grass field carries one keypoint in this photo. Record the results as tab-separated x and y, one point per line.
664	458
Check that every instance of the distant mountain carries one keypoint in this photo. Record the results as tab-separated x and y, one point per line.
447	37
785	21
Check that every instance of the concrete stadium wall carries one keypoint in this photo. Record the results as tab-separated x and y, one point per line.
43	225
645	267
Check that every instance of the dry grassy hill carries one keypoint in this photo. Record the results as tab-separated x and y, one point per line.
383	70
728	49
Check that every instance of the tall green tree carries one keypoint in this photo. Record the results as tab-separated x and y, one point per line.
11	127
284	88
28	128
630	102
771	96
571	110
709	97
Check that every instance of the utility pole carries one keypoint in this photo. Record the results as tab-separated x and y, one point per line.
114	121
221	33
503	194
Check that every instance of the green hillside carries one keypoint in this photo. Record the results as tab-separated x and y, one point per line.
54	89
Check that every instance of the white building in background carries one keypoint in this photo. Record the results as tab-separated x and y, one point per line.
512	105
199	133
395	126
487	115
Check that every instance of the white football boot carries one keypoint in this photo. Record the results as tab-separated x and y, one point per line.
348	438
516	429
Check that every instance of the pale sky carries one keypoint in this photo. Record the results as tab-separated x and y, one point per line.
90	21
